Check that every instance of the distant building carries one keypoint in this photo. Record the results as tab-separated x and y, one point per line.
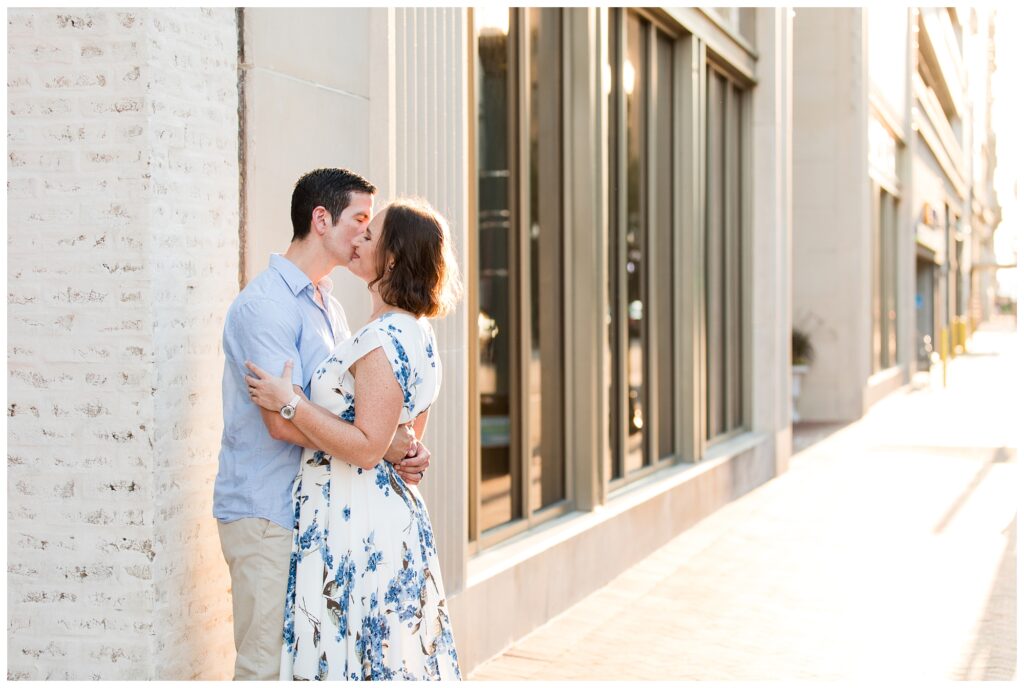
894	207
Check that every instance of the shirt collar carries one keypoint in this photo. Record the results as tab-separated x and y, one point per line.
295	278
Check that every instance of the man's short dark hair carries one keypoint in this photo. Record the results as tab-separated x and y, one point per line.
330	187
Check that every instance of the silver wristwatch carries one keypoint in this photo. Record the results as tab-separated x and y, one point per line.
288	410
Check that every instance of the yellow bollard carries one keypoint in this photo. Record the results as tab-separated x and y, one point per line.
944	353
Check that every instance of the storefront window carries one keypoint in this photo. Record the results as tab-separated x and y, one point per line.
883	281
522	466
724	275
641	375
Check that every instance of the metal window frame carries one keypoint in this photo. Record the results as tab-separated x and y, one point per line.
737	240
878	361
691	99
698	42
654	23
519	155
885	274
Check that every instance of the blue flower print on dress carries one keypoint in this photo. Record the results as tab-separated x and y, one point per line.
382	478
312	536
289	606
324	366
322	667
319	458
408	379
376	556
338	594
370	639
325	552
371	604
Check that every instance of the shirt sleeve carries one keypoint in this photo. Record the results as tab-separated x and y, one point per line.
267	333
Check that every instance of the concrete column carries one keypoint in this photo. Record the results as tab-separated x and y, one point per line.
419	124
770	236
123	245
831	209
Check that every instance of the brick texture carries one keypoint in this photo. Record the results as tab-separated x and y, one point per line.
122	260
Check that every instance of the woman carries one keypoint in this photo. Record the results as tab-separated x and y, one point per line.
365	598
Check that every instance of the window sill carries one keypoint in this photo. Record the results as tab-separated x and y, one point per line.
512	552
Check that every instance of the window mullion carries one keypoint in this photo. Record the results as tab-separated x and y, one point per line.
652	414
568	336
700	259
729	255
619	274
472	300
521	150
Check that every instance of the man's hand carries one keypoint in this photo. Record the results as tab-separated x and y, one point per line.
412	467
401	444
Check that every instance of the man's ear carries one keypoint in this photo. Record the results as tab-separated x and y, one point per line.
321	220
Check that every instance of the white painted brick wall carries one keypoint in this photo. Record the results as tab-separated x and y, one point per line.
122	260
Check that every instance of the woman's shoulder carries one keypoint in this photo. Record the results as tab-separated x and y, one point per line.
402	329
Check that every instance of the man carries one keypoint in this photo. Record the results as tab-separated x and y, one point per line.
285	313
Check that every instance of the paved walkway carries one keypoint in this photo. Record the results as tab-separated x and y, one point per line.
888	550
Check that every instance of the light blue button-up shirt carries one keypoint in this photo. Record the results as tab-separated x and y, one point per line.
275	318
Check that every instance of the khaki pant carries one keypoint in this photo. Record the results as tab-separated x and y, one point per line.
257	552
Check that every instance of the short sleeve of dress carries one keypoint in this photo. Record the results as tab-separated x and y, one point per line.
410	351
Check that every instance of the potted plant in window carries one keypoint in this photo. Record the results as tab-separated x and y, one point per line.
803	356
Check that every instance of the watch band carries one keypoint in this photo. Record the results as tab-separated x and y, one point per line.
288	410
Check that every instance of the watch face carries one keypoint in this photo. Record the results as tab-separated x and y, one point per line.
288	412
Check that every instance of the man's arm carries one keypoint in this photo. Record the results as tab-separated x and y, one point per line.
364	442
285	430
265	332
403	445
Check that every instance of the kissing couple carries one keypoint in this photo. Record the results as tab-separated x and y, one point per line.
334	568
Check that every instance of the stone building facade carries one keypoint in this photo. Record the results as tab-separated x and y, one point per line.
894	203
122	259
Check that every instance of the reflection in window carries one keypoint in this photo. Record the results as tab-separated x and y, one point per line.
547	460
640	367
883	282
499	476
663	248
519	154
723	274
634	83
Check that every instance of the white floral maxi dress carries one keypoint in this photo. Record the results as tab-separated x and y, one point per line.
365	598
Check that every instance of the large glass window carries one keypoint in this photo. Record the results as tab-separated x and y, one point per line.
522	467
520	471
724	278
883	282
641	292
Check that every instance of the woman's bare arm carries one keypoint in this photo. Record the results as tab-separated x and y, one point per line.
365	442
419	424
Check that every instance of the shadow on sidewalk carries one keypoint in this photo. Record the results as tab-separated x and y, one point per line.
994	654
1000	455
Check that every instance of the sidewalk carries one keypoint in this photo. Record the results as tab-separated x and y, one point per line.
888	550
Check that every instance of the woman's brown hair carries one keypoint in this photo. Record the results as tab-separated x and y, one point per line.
416	268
